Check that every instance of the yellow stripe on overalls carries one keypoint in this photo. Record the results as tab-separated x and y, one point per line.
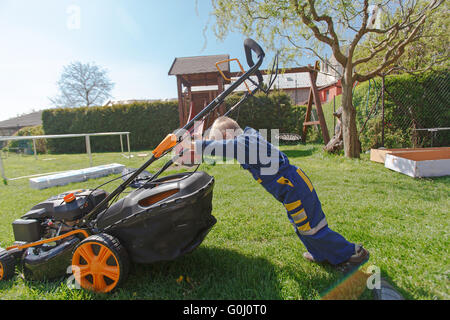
284	180
305	227
293	205
305	178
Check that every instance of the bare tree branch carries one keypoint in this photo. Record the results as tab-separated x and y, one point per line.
315	29
392	54
82	85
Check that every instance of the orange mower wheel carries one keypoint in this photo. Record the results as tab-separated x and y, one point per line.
100	263
7	265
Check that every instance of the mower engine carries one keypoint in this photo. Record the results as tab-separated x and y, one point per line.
52	218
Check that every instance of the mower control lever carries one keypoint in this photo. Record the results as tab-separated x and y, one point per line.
168	143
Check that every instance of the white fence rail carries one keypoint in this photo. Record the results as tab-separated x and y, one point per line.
58	136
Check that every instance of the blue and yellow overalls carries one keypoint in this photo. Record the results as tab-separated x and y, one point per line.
289	185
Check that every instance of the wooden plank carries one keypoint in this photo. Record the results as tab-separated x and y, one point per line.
379	155
180	102
421	156
311	123
221	88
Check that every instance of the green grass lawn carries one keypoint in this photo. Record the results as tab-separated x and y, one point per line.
252	252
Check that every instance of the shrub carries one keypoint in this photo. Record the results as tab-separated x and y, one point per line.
27	145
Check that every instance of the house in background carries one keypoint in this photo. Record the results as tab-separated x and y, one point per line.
11	126
298	84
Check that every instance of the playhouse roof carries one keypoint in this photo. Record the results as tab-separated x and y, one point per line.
199	64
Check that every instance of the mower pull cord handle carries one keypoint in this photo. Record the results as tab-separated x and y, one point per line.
249	46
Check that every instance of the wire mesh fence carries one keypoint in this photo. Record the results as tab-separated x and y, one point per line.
401	111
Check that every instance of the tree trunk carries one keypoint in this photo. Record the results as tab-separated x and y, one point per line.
352	147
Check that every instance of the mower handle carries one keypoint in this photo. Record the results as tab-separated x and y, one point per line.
249	46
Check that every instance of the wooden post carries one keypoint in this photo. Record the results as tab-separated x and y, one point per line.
318	103
188	107
308	116
220	86
180	101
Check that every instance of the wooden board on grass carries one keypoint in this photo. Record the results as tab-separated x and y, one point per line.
379	155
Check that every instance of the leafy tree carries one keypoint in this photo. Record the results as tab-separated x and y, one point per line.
430	51
82	85
339	26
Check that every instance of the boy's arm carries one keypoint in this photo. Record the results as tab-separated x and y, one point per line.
221	148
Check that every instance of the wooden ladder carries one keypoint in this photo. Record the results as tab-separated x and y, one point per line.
314	97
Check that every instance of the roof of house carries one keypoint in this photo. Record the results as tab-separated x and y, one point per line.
26	120
284	81
199	64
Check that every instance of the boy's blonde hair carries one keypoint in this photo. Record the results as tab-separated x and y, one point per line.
224	128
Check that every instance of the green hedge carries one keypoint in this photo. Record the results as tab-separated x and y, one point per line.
148	124
273	111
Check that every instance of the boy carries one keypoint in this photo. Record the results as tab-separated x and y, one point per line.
289	185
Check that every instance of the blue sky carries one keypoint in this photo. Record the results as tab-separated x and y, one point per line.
135	40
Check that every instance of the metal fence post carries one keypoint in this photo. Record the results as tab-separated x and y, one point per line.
128	143
88	149
34	149
2	170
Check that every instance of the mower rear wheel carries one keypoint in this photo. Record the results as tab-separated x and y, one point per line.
100	263
7	265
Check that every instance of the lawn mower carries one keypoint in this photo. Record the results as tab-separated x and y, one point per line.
97	236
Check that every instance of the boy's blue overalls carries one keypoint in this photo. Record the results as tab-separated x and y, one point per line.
289	185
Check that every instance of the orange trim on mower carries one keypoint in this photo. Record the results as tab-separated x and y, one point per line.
38	243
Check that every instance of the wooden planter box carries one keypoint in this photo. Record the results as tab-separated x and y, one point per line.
417	163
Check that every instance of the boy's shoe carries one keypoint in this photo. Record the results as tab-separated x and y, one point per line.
308	256
360	257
